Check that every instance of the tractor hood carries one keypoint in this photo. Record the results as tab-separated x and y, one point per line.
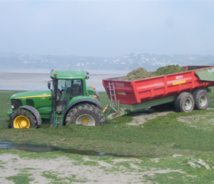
32	94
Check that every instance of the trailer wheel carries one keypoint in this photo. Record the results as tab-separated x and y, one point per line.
22	118
85	114
201	98
184	102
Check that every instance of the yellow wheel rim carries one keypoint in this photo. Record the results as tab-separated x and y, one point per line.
85	120
21	122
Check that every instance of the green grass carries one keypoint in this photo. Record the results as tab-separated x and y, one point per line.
159	137
55	179
20	178
165	170
5	105
162	138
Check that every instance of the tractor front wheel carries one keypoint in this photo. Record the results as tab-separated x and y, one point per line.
22	118
85	114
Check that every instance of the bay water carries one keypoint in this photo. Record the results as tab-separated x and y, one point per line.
37	80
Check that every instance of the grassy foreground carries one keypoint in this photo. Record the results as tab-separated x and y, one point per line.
159	137
57	167
181	143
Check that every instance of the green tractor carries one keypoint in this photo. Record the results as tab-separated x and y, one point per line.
68	100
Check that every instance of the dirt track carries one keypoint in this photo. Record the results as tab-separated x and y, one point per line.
66	170
143	117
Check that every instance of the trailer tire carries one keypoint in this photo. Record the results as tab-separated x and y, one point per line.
85	114
201	98
184	102
22	118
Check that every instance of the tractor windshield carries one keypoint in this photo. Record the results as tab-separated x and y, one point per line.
65	90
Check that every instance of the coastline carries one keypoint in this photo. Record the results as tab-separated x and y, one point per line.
20	80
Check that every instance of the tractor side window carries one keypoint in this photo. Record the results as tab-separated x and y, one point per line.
77	87
61	84
63	96
66	89
60	89
68	84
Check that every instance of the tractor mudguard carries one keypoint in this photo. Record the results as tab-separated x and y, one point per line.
35	113
85	100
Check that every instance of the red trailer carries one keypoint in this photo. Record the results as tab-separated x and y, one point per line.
187	89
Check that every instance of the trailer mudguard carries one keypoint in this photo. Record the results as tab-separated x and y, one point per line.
35	113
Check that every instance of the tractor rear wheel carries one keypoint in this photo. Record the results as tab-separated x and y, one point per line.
201	98
22	118
85	114
184	102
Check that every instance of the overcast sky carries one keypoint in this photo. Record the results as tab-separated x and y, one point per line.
107	28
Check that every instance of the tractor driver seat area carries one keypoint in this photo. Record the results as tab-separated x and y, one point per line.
59	94
72	89
59	102
77	90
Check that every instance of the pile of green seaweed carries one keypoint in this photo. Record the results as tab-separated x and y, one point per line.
141	73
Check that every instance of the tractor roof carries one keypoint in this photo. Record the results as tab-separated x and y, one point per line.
69	74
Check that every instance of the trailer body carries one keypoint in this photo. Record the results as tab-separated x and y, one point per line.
142	93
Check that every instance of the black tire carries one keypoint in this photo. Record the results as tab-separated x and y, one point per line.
85	114
201	98
184	102
22	118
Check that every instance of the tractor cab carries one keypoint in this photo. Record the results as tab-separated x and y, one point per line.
65	90
69	88
66	86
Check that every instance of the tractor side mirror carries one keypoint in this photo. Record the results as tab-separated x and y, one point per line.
49	85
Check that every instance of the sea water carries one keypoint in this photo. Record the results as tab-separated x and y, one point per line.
37	80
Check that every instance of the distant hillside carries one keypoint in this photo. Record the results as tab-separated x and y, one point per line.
127	62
